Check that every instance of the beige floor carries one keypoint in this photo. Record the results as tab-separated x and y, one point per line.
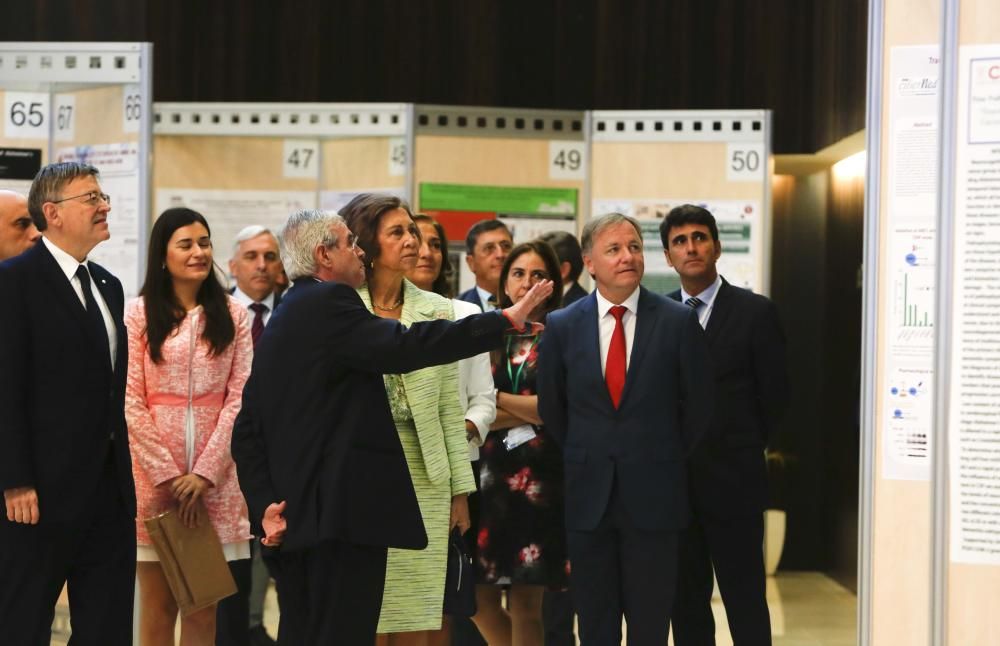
807	609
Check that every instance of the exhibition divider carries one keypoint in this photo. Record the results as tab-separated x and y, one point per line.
930	476
87	102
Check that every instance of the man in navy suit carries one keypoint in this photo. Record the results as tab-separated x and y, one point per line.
486	247
65	467
317	453
625	386
728	479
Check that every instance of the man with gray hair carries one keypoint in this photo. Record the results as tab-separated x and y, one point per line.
625	386
17	232
256	266
316	449
65	468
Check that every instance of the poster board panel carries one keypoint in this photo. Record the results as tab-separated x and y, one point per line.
900	533
973	589
363	162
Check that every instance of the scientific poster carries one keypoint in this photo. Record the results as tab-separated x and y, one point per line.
118	164
527	211
229	211
974	388
739	231
908	278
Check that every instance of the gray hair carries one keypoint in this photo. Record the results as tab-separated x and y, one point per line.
304	231
249	233
48	185
595	226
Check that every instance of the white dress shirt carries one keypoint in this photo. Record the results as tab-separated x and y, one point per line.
707	298
484	298
606	325
69	265
246	302
476	392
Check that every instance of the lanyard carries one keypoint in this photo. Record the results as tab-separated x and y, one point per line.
515	379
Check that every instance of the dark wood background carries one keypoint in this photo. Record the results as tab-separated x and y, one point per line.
803	59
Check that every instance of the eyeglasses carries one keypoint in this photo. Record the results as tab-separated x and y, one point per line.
352	242
93	198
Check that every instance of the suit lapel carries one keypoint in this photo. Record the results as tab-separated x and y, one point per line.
721	309
110	296
61	289
590	332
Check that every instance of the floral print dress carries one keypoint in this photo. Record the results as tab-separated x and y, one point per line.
521	537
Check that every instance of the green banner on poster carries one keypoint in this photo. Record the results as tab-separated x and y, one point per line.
498	199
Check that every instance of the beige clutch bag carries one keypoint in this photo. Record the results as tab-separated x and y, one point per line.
192	561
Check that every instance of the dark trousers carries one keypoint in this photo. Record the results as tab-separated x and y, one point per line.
331	593
463	630
94	556
557	618
735	547
232	615
620	570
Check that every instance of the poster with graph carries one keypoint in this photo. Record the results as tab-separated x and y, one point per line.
907	415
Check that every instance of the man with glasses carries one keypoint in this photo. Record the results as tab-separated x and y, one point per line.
17	231
65	468
486	245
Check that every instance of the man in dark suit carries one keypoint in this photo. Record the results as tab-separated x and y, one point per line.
486	247
624	385
727	475
317	453
17	232
65	467
570	265
256	267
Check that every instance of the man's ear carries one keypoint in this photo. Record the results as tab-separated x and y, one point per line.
322	256
667	255
51	213
470	263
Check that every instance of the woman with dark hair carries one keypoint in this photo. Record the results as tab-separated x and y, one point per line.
189	350
428	418
521	539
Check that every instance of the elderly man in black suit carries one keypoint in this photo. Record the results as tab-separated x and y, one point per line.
728	480
65	467
317	454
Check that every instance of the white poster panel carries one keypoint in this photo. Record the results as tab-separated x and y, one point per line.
739	223
228	212
119	178
336	200
974	388
909	279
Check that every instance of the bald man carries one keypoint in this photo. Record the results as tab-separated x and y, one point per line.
17	231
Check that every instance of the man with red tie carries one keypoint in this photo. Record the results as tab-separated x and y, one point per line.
256	267
625	386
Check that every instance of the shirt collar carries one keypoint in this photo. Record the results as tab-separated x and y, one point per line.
246	301
66	262
484	296
603	305
707	295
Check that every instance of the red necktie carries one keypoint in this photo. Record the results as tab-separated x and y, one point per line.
257	327
614	368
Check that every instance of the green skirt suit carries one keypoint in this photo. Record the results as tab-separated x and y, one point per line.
431	426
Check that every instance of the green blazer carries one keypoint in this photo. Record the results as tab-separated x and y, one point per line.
432	394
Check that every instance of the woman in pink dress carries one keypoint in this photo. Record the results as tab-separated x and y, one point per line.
190	350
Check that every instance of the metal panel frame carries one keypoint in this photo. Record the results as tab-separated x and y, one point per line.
869	323
505	123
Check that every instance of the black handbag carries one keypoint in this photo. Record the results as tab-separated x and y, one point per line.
460	581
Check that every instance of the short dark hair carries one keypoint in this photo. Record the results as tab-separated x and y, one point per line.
687	214
567	250
442	284
164	311
548	256
479	228
363	214
49	183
